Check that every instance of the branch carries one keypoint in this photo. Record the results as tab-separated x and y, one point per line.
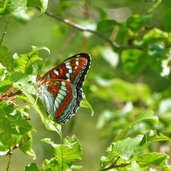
9	162
9	93
116	166
78	27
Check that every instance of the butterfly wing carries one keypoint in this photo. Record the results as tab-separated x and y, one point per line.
61	87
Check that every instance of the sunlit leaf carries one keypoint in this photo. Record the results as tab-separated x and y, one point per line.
12	6
122	90
7	141
86	104
53	126
155	35
120	152
110	56
128	147
147	115
136	22
153	136
41	4
6	58
23	62
12	122
38	106
65	154
154	159
31	167
26	146
5	85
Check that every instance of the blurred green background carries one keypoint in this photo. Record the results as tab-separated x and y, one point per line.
63	41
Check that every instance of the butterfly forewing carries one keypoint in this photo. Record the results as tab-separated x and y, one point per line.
61	87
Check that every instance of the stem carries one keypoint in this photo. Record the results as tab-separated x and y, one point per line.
116	166
5	30
78	27
9	93
9	161
156	4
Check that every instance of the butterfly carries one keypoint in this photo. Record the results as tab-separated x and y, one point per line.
61	87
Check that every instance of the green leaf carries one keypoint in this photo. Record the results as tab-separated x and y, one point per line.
86	104
134	61
2	72
128	147
147	115
31	167
11	120
104	118
106	27
53	126
24	62
5	58
15	5
155	35
44	6
40	108
122	90
152	136
41	4
136	22
26	146
3	5
65	154
5	85
156	55
23	15
154	159
36	49
38	105
110	56
51	164
7	141
16	76
120	152
34	3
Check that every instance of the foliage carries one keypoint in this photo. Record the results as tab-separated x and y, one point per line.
128	84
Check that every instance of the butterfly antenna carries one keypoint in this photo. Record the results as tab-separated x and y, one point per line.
32	63
44	62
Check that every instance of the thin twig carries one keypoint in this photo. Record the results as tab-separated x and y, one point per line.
116	166
9	161
9	93
16	93
5	30
9	153
78	27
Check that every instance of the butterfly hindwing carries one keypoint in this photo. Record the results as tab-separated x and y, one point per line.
61	87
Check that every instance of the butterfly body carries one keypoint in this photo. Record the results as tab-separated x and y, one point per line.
61	87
